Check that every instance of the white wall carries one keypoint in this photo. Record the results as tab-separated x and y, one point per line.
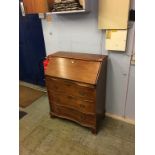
79	33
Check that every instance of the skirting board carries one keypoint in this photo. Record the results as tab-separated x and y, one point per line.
127	120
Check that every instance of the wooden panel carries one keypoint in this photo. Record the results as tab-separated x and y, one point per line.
36	6
84	106
82	2
77	70
70	88
81	56
69	98
101	90
113	14
116	40
83	119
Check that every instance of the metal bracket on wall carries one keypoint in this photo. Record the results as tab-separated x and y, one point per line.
22	8
42	15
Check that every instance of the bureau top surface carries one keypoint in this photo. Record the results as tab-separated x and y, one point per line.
75	66
81	56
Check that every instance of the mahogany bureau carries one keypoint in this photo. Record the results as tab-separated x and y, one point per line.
76	85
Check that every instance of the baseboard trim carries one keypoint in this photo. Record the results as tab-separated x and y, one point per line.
127	120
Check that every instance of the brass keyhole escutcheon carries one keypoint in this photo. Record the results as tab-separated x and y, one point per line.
72	61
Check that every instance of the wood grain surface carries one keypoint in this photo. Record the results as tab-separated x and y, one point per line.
72	69
81	56
36	6
76	87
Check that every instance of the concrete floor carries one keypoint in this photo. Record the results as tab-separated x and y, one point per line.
41	135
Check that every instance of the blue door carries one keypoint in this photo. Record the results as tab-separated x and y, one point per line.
31	49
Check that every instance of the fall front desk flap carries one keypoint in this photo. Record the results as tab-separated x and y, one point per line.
75	66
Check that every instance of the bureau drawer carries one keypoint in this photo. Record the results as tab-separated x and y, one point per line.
85	106
70	88
84	119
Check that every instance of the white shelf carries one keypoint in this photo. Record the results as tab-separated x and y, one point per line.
68	12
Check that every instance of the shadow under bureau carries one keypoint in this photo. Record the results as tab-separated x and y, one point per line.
76	85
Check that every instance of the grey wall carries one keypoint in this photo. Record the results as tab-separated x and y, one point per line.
130	103
74	32
79	33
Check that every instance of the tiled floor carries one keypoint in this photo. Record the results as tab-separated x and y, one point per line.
41	135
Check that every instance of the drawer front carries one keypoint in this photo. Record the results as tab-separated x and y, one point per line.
72	102
83	119
70	88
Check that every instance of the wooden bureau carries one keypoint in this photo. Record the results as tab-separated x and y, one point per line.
76	85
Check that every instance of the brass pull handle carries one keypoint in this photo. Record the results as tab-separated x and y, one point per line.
22	8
